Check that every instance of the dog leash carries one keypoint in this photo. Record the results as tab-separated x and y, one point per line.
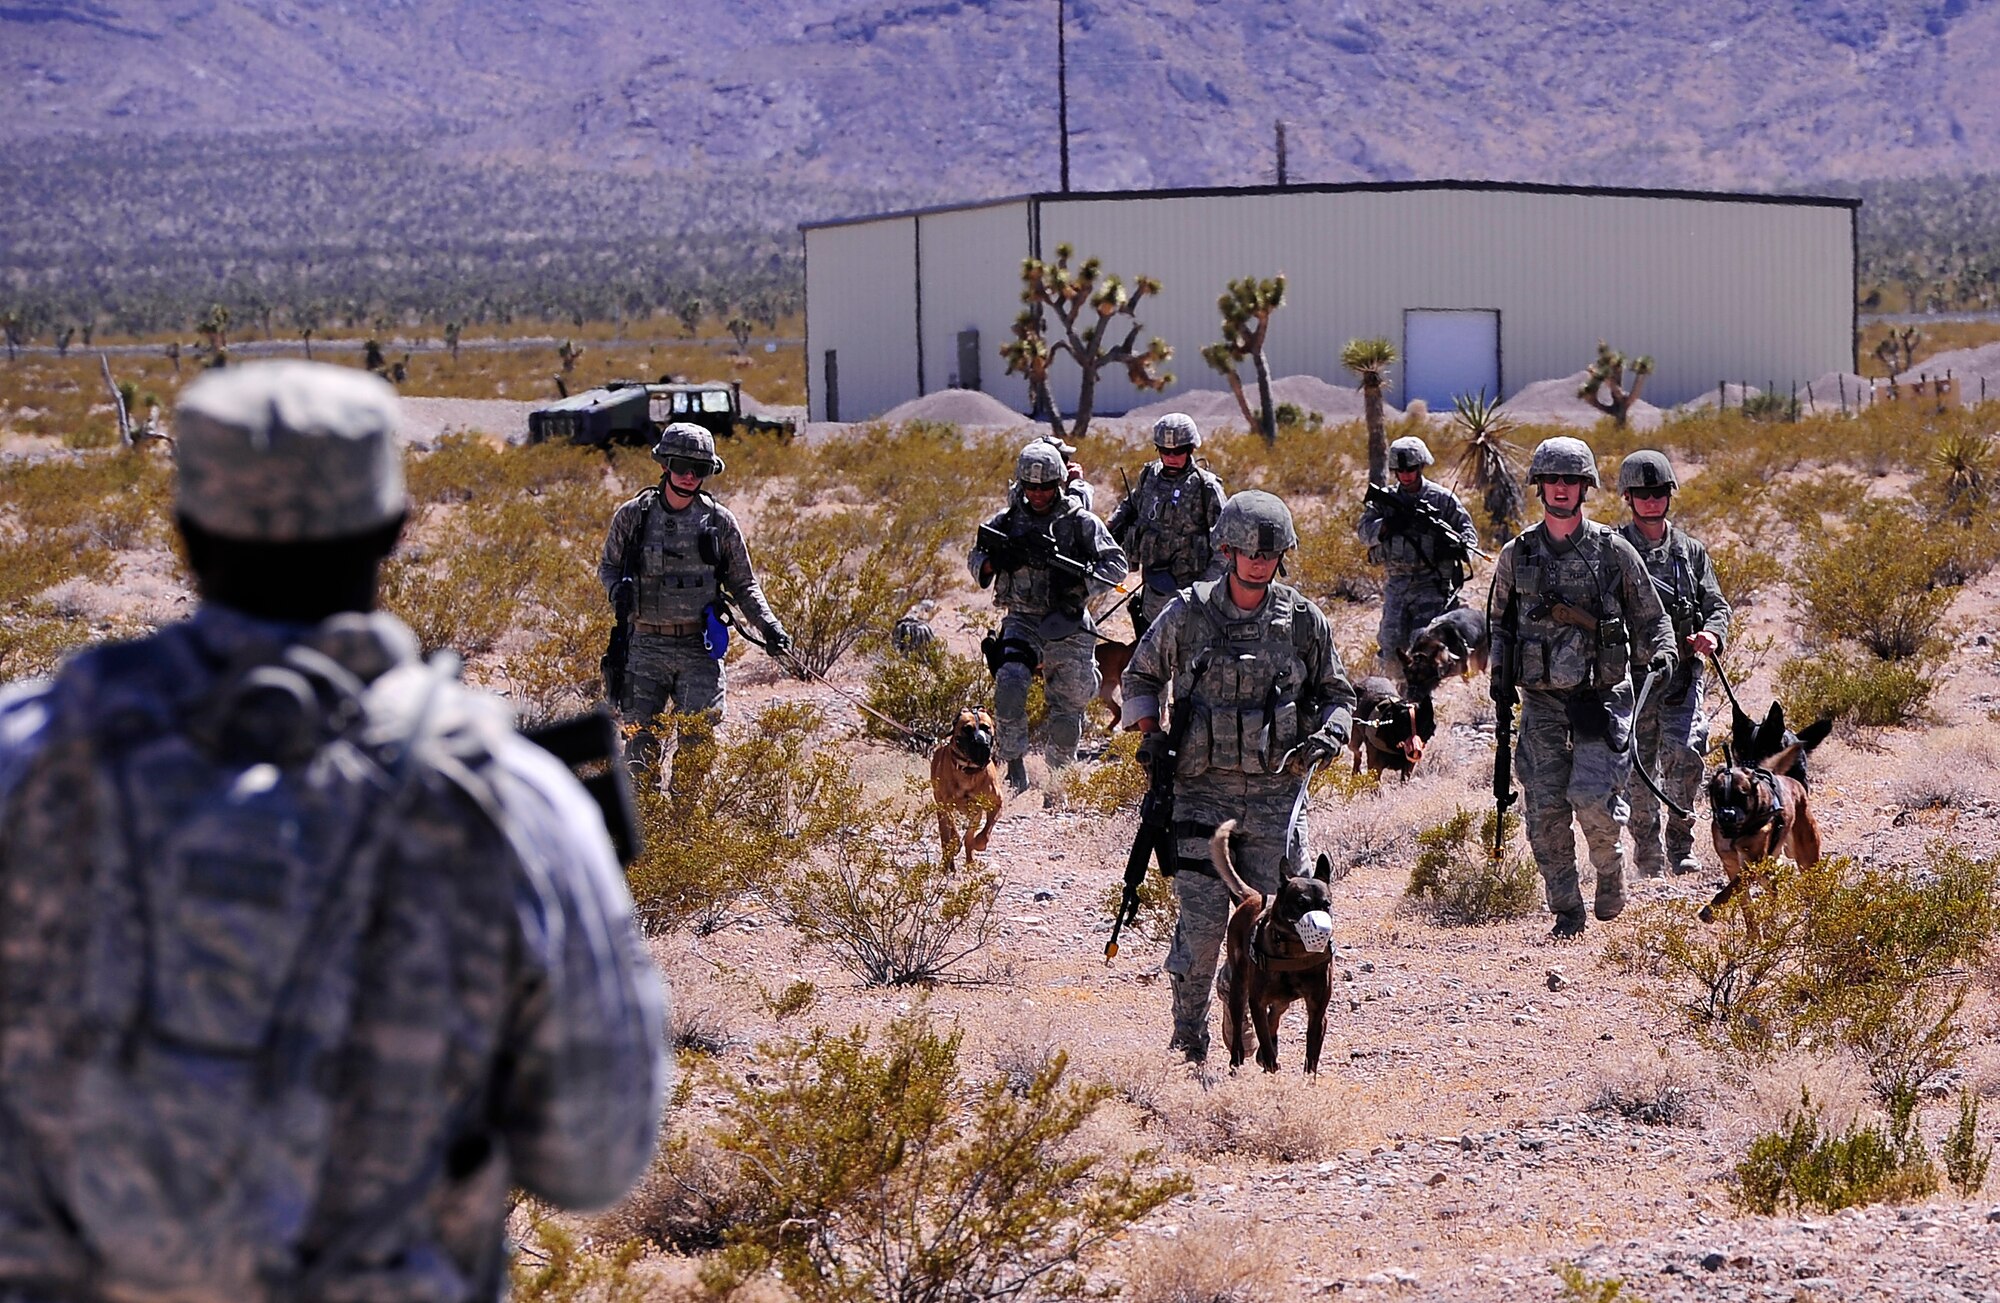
1723	679
799	669
1638	762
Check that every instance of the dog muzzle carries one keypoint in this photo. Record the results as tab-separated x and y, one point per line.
1315	929
975	748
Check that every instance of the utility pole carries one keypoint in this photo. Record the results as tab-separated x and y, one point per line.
1281	152
1062	85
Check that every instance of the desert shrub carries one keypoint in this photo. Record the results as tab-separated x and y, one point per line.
1331	561
924	690
1457	881
837	576
1309	463
873	1174
470	580
1963	473
885	907
1965	1163
1583	1287
690	1196
739	813
1872	962
474	468
1210	1262
1876	584
1804	1167
1259	1116
798	996
34	639
1744	572
1859	689
1660	1098
929	476
1114	782
553	1264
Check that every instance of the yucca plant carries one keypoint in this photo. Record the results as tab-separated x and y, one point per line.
1370	360
1487	463
1964	463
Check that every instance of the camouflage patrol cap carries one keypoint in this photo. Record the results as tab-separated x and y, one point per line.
1068	450
686	439
1646	469
1040	464
1255	521
1409	453
1563	455
288	452
1176	430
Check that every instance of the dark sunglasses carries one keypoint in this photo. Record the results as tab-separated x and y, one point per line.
1173	452
1568	479
694	466
1651	495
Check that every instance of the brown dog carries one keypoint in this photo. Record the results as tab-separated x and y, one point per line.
1457	642
963	780
1112	658
1389	732
1275	952
1760	811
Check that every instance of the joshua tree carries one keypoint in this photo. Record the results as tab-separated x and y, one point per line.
1084	302
173	352
1608	373
1898	351
1487	462
689	312
307	319
739	328
1370	359
16	331
569	353
1246	309
64	338
214	332
452	331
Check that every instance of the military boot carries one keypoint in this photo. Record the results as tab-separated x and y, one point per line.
1610	895
1190	1036
1688	864
1017	775
1568	924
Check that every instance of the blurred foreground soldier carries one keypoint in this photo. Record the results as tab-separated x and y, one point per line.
672	560
1573	611
1045	556
1672	731
1423	537
308	957
1258	697
1166	521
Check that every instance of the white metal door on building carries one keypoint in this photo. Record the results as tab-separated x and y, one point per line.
1449	352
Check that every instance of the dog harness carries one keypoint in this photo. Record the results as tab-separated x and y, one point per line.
1278	959
1773	815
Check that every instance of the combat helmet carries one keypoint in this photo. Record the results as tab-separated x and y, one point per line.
1409	453
685	441
1255	521
1040	463
1563	455
1176	430
1646	469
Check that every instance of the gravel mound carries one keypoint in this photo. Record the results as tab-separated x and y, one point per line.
1969	366
426	420
960	407
1215	408
1554	402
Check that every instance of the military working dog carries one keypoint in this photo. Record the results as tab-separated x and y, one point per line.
1276	951
1390	730
1760	806
965	784
1457	642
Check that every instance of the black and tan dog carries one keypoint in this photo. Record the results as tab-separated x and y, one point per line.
965	784
1276	951
1759	806
1390	731
1457	642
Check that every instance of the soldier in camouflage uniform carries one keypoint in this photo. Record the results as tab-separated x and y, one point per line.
1253	664
1421	577
1672	730
1048	623
686	554
308	957
1165	521
1573	611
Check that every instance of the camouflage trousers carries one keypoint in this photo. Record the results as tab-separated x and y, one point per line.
1672	737
664	673
1069	682
1408	604
1569	777
1265	842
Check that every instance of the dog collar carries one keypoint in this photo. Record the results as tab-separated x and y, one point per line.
965	765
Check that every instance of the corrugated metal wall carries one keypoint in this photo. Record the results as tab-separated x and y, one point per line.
1713	289
972	281
861	302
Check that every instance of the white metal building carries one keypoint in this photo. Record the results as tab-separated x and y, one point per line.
1480	285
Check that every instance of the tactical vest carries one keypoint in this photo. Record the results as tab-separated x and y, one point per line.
1417	552
185	1106
1670	562
1031	588
678	555
1243	680
1557	656
1170	528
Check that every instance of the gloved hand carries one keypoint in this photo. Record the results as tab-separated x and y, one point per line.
1661	665
777	641
1315	750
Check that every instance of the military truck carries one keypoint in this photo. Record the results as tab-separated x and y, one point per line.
632	411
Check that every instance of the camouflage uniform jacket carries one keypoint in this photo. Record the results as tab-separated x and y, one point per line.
1033	589
1685	579
506	1019
1165	522
1595	572
1416	552
1259	682
686	561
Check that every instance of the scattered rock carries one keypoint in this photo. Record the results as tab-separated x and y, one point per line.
1557	981
1714	1262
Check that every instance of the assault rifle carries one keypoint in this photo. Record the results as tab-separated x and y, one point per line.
1564	613
1012	551
1155	838
1506	693
588	744
624	594
1406	513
